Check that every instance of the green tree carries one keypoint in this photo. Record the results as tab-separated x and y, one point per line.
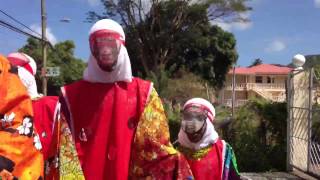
156	30
256	62
312	61
61	55
207	51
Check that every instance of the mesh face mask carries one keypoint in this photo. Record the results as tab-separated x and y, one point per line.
194	123
105	47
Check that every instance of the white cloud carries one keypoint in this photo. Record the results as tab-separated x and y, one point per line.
93	2
50	36
276	46
229	26
242	25
223	25
233	25
317	3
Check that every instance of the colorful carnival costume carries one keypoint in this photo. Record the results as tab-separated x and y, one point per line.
113	125
209	157
45	108
20	156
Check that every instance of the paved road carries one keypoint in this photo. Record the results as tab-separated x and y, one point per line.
275	176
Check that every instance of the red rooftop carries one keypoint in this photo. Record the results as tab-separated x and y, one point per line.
262	69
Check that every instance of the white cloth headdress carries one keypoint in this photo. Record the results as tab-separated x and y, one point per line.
210	136
122	70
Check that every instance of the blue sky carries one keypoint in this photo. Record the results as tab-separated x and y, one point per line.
278	30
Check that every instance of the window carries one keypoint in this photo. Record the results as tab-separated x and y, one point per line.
268	79
258	79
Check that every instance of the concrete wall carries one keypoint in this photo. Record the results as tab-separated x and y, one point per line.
299	101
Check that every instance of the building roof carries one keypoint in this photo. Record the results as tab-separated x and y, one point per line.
262	69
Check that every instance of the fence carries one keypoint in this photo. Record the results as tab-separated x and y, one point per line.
303	128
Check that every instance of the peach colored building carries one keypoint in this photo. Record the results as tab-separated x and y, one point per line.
265	80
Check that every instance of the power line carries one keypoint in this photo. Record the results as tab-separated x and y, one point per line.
13	28
16	29
6	32
18	21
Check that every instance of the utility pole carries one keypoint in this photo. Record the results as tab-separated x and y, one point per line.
233	92
44	48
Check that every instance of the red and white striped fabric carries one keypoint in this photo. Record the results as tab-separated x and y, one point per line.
23	60
27	69
203	105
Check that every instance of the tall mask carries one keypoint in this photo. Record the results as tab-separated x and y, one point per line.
105	47
194	123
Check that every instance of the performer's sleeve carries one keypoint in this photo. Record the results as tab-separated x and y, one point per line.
20	147
230	170
153	156
65	164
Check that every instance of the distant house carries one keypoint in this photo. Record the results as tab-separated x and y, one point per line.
264	80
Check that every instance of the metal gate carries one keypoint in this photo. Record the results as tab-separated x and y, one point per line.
303	128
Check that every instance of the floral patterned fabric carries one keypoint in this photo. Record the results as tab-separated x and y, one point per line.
69	163
20	155
153	155
65	165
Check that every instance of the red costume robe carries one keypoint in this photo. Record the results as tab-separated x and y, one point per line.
217	162
116	131
44	109
209	166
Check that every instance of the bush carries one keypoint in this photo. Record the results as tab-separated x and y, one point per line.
258	136
173	116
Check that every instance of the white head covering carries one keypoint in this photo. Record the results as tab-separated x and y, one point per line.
26	75
122	70
204	103
210	136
